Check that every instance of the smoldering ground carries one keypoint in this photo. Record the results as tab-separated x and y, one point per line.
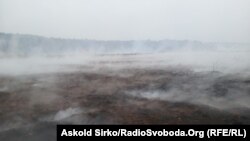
177	87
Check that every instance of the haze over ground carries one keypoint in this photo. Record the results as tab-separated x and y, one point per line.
165	63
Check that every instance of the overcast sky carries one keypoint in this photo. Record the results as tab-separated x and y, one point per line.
204	20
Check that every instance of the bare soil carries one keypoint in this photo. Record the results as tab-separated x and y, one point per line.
32	105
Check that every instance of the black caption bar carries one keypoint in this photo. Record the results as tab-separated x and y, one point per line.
79	132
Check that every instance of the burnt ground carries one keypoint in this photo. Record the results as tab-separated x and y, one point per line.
32	105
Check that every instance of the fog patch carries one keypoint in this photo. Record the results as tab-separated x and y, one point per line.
63	114
39	65
214	90
176	95
225	61
4	89
15	123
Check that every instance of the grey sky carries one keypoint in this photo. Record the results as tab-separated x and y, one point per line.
204	20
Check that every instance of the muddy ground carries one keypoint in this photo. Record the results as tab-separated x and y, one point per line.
32	105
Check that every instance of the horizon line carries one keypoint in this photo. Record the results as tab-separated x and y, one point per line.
132	40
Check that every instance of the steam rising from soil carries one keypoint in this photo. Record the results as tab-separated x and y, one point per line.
175	87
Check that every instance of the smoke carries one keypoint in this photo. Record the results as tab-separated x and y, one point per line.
63	114
28	54
83	85
214	90
103	57
223	61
